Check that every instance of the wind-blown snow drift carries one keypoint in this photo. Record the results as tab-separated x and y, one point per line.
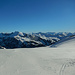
39	61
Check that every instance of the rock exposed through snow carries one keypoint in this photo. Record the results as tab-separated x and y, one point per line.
24	40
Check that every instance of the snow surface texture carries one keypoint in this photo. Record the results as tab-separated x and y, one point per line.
39	61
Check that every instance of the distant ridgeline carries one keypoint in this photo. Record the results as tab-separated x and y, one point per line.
23	40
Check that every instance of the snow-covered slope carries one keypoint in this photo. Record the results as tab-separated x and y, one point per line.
39	61
68	42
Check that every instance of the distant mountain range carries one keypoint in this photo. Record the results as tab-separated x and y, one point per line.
23	40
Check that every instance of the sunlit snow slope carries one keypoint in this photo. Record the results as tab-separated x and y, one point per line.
68	42
39	61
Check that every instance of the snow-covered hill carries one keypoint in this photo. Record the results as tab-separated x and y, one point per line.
24	40
68	42
39	61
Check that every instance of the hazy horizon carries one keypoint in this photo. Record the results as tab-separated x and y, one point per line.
40	32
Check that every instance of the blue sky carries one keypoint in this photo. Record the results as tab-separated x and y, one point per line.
37	15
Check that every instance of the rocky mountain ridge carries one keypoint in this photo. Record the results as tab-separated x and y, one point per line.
24	40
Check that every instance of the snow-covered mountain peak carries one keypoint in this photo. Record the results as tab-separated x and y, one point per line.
16	33
19	39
